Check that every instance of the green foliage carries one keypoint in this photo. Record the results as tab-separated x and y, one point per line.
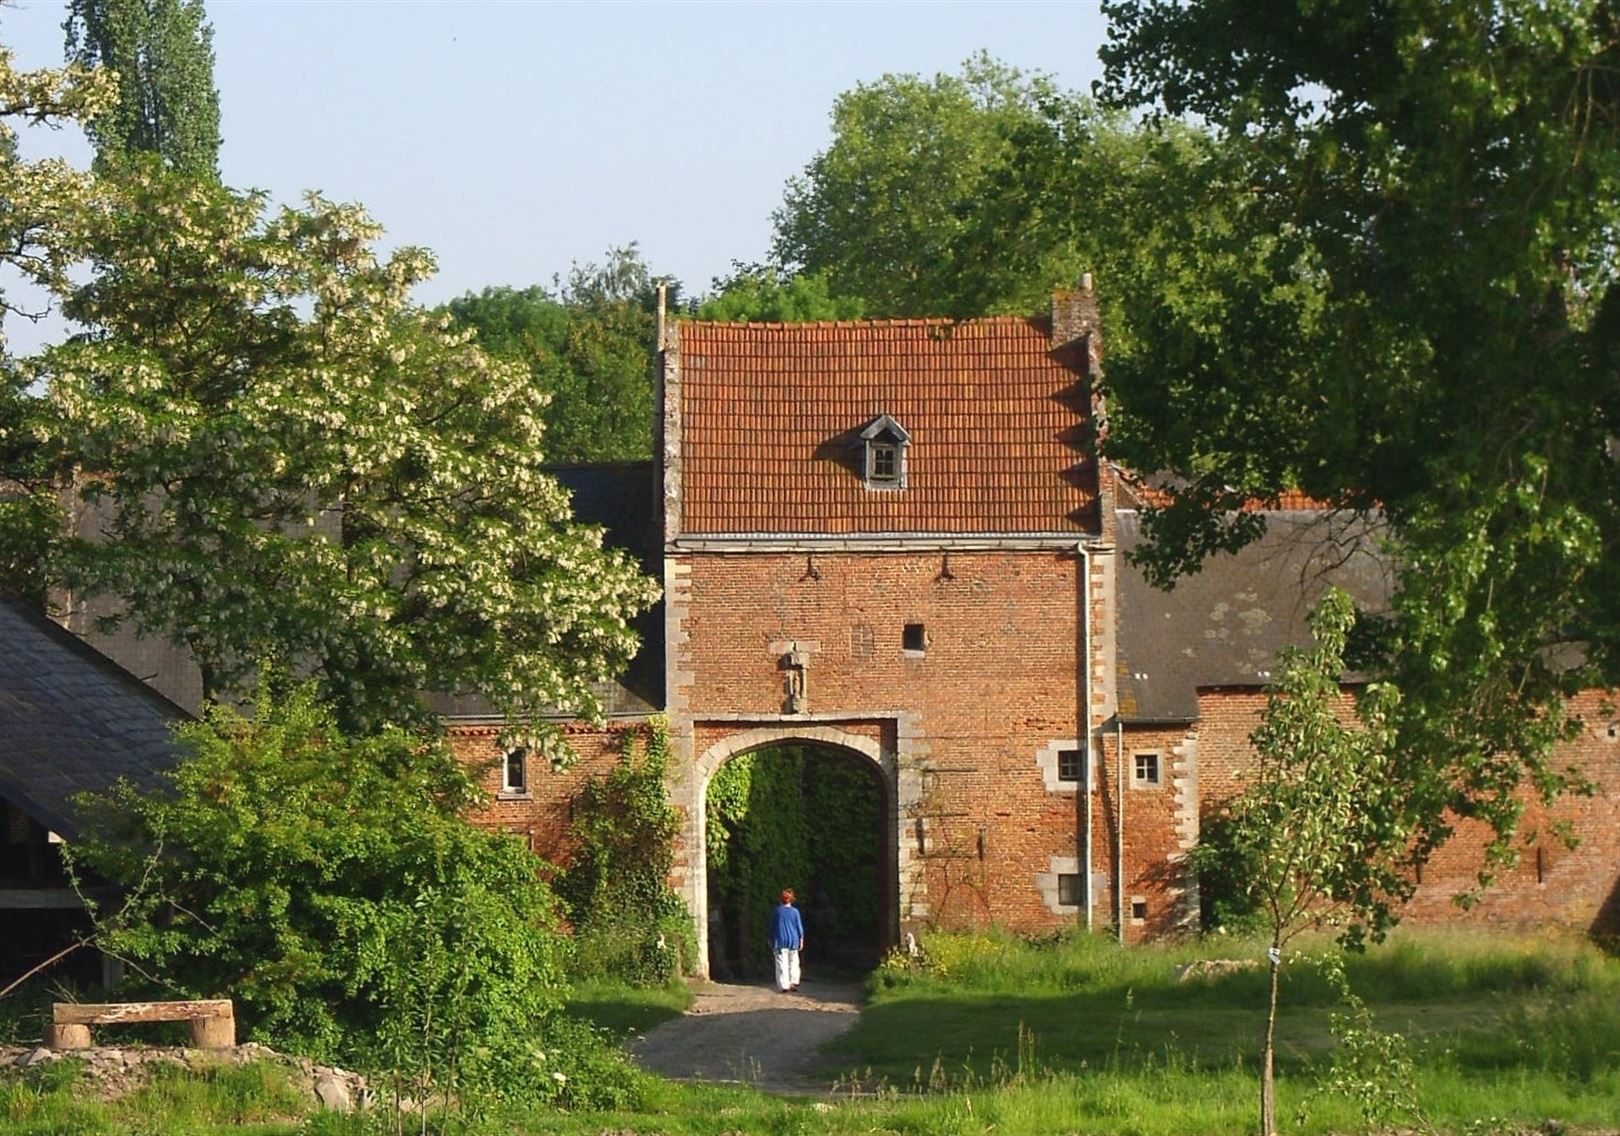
628	923
1319	832
330	886
1394	290
590	349
760	293
161	53
288	459
789	817
879	212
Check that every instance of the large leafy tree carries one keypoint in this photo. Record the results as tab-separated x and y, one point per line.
876	215
283	457
590	347
1400	300
962	195
161	52
759	292
42	204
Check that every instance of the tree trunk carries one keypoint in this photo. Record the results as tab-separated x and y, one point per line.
1268	1086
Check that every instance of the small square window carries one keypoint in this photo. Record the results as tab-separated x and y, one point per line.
885	463
514	771
1138	910
1147	769
913	638
1071	765
1070	891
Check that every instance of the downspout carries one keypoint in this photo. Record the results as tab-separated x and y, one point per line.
1085	732
1119	761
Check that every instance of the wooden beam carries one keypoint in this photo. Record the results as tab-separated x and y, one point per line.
101	1014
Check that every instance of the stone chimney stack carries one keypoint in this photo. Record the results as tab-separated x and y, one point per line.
1074	317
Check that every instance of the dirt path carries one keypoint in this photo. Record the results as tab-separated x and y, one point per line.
753	1035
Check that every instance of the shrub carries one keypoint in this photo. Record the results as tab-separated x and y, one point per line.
331	887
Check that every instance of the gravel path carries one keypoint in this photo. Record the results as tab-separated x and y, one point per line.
753	1035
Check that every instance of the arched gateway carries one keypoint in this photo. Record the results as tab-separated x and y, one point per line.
864	744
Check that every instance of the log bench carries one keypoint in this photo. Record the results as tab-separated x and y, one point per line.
212	1022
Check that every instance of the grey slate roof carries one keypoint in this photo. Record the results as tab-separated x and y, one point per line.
1225	625
72	721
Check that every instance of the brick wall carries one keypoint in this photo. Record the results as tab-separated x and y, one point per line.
963	719
1578	888
541	815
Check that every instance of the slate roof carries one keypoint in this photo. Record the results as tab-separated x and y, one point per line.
622	498
1225	625
72	721
771	416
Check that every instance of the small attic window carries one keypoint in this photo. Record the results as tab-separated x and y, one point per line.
884	443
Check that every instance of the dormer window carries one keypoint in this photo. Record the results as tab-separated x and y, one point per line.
884	442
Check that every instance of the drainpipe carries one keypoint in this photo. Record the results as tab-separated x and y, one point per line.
1119	760
1083	549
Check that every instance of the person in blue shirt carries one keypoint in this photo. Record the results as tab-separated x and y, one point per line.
787	940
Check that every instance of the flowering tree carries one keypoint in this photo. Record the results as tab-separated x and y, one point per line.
41	204
285	458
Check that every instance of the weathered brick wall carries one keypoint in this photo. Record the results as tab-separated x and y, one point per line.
997	681
1579	888
1160	825
543	814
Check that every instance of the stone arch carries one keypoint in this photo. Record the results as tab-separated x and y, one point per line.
884	767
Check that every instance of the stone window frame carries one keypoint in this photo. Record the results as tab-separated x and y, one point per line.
1140	782
1046	760
1047	884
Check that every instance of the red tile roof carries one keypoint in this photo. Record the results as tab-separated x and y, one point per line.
1133	491
770	417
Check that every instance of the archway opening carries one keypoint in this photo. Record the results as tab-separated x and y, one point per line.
802	816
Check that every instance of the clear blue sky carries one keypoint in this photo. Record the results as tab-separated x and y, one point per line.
515	138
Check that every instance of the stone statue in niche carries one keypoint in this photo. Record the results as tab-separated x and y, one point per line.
796	679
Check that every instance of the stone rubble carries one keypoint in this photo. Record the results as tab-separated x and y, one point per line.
116	1070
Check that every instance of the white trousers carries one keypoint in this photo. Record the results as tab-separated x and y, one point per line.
787	969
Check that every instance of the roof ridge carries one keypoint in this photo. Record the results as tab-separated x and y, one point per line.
886	321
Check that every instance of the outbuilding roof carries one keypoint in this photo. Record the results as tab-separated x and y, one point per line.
72	721
998	424
1224	626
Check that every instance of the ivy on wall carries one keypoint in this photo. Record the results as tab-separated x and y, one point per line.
793	816
628	922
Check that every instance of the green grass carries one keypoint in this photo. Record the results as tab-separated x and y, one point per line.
622	1011
1068	1036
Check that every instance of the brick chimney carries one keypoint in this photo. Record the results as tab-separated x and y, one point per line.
1074	316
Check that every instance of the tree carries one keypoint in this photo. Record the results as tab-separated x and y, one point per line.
591	349
1405	308
876	214
42	204
761	293
162	54
289	460
331	887
1320	829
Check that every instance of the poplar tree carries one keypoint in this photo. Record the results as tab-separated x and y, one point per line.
162	52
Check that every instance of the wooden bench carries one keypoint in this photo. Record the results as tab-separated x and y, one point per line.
212	1023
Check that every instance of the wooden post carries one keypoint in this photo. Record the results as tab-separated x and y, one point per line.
213	1032
67	1037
